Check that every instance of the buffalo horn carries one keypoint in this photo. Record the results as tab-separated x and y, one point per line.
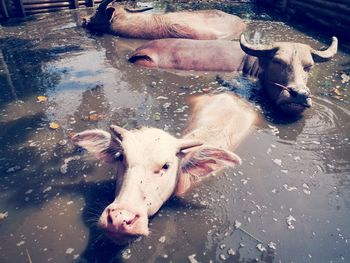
257	50
103	5
329	52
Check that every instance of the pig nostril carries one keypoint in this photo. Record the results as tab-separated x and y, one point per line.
131	221
109	219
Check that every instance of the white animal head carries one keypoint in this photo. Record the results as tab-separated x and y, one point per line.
153	165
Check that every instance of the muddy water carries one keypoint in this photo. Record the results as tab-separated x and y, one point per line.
291	194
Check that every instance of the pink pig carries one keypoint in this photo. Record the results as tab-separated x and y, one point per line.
154	165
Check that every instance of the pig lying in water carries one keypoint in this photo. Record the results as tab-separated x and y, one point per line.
153	165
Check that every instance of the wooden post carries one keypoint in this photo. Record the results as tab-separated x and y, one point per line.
21	11
8	76
75	4
90	3
3	9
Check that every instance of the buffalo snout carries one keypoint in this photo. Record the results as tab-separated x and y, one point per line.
300	96
294	101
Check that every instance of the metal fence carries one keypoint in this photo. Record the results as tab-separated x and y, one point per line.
333	14
18	8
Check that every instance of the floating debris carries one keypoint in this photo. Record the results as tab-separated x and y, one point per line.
47	189
192	259
277	161
306	189
237	224
62	142
345	78
274	130
222	246
290	219
54	125
222	257
13	169
244	181
337	92
29	191
290	188
126	254
41	98
64	167
69	250
162	239
260	247
166	105
231	252
272	245
93	117
156	116
3	215
20	243
28	256
297	158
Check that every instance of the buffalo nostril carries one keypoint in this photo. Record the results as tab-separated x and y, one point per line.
292	92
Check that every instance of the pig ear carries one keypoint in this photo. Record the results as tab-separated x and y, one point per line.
199	163
119	132
100	143
186	144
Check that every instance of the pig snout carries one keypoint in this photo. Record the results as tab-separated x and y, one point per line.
120	220
121	223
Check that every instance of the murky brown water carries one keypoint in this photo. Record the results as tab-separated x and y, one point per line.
53	194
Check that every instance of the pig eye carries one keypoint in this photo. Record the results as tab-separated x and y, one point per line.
118	156
166	166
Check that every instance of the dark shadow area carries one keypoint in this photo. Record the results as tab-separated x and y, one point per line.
309	27
17	21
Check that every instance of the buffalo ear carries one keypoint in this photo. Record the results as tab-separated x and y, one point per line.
100	143
199	163
109	13
141	58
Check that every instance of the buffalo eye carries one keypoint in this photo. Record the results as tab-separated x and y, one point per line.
166	166
307	68
279	62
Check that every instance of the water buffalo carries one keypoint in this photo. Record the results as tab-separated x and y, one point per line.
208	24
282	68
153	165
